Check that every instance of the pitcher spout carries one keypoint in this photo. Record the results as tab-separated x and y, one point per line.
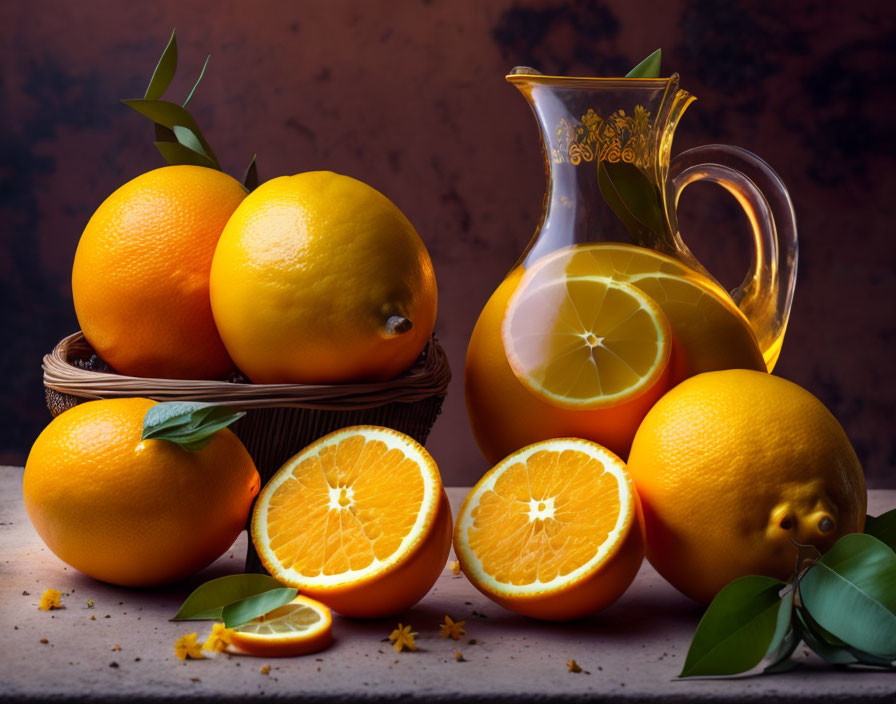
606	136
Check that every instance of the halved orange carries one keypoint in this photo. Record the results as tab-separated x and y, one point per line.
358	520
300	627
585	342
554	531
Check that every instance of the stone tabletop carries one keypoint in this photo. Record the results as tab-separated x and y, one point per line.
121	649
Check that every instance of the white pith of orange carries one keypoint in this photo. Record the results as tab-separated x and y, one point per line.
424	510
473	564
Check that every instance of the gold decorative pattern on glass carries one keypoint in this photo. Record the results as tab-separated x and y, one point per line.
619	137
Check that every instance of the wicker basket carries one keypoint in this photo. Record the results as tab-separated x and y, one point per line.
280	419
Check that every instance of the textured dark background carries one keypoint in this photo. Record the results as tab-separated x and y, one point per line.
410	97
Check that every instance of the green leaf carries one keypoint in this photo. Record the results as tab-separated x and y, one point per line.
207	601
873	660
169	115
817	640
176	154
832	649
633	198
250	177
198	80
161	77
851	592
188	138
254	606
783	622
883	528
780	659
737	629
648	68
188	424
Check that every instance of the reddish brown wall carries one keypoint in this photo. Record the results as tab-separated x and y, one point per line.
410	97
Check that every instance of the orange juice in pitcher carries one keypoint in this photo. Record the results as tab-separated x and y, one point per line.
607	308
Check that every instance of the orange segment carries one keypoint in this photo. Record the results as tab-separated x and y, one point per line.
300	627
553	531
349	511
711	333
584	342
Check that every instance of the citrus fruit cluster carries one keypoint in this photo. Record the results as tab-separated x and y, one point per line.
313	278
604	351
728	473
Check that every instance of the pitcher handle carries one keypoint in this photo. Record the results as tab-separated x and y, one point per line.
766	293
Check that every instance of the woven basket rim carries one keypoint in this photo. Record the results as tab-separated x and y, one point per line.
427	377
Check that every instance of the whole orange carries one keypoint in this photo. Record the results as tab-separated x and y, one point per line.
140	276
319	278
134	512
734	466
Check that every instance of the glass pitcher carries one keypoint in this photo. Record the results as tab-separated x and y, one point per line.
606	144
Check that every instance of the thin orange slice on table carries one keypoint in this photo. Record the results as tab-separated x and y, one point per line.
554	531
300	627
358	520
585	342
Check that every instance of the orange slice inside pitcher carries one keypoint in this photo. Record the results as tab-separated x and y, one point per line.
350	518
553	531
710	332
585	342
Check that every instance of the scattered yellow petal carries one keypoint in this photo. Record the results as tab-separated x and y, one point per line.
455	567
459	656
50	600
573	666
218	639
187	647
403	638
44	641
265	669
452	629
93	618
90	603
116	648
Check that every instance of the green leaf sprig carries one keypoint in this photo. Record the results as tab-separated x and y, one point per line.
649	67
842	606
188	424
629	192
178	137
235	599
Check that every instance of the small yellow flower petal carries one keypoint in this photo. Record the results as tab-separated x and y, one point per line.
90	603
51	599
455	567
459	656
187	647
265	669
452	629
403	638
573	666
218	639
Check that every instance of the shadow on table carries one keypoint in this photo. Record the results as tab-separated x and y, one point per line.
635	617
